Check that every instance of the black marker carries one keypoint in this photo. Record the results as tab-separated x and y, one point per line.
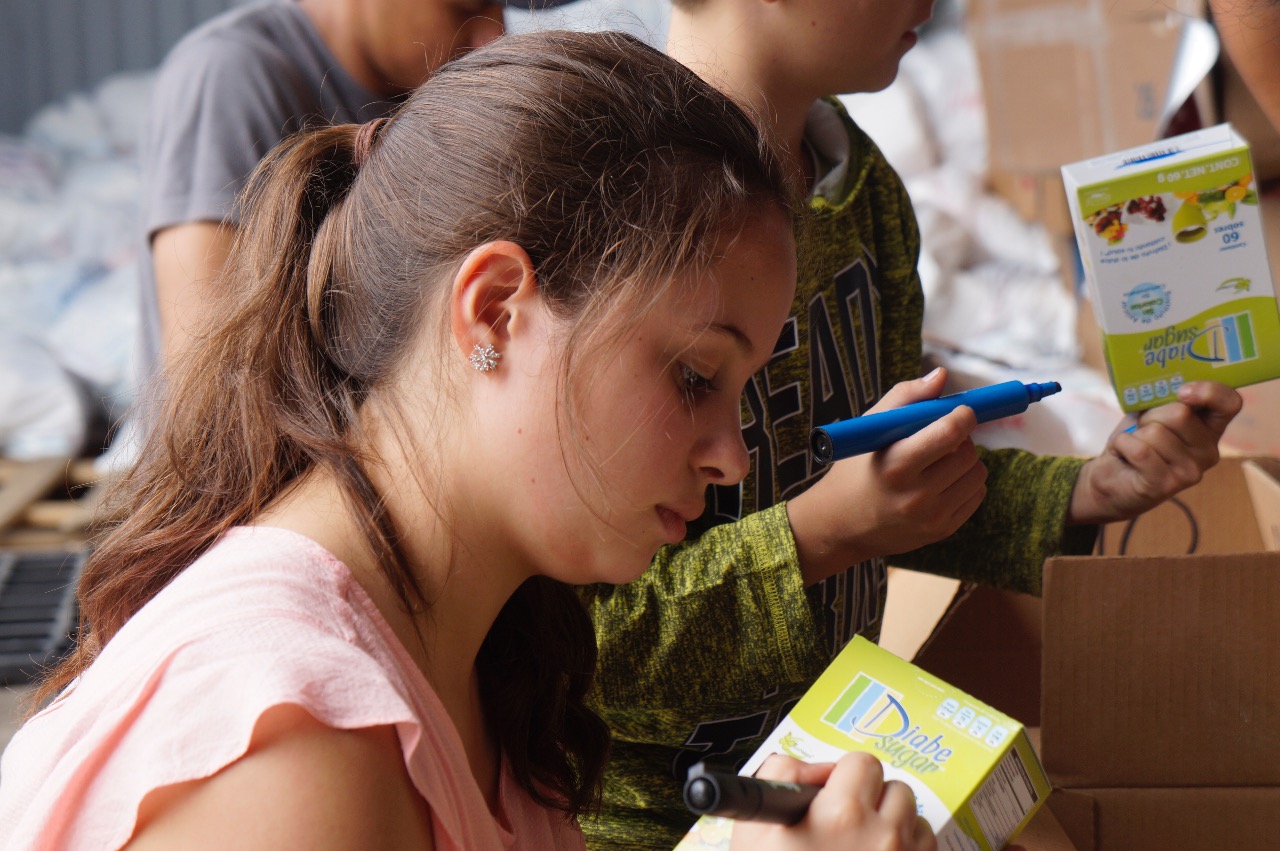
733	796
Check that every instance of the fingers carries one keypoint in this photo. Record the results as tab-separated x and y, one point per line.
1167	450
941	453
1166	458
1216	403
891	805
934	442
780	767
1183	438
898	807
950	432
924	839
965	494
788	769
859	777
856	808
936	473
906	392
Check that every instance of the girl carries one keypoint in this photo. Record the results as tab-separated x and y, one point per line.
473	355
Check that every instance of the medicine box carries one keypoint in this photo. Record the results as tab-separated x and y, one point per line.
975	776
1171	241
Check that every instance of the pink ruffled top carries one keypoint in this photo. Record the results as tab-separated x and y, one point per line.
265	617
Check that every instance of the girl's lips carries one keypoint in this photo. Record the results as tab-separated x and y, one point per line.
672	524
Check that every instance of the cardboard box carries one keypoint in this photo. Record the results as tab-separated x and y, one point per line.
973	769
1175	258
1037	196
1161	700
1157	681
1064	80
961	633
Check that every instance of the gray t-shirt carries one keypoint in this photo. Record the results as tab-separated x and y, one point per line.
225	95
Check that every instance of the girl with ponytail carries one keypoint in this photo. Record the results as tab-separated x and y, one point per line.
470	356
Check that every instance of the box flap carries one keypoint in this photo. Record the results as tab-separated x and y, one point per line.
989	646
1215	516
1162	672
916	604
1044	833
1262	476
1074	812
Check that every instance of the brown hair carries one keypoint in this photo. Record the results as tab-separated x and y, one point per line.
613	166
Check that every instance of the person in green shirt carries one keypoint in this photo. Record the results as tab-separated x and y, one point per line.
704	655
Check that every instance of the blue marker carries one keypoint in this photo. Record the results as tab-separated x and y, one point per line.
876	431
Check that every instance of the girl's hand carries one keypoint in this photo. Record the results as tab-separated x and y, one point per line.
855	810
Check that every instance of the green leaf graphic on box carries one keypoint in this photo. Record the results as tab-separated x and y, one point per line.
791	746
1212	209
1234	285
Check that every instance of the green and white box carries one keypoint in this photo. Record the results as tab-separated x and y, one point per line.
1171	240
976	779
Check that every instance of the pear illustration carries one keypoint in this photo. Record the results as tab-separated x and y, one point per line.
1189	223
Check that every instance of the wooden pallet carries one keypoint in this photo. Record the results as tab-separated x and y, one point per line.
48	503
38	609
47	511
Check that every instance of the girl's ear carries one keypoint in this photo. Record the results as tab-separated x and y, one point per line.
493	291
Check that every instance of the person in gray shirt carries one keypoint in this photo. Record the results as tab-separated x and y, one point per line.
233	87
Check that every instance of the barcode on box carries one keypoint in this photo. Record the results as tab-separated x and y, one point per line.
1003	801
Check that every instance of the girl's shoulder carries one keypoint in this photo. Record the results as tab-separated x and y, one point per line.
264	619
357	795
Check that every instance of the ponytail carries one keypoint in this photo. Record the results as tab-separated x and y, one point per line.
256	403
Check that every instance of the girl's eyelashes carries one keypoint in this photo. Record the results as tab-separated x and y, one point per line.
694	384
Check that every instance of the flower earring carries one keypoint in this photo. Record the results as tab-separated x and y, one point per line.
484	358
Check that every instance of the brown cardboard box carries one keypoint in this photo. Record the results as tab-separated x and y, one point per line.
1161	700
1068	79
1177	641
1064	80
1037	196
981	629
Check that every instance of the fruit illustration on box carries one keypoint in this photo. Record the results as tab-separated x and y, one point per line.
1203	206
1109	223
1189	223
1151	206
791	746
